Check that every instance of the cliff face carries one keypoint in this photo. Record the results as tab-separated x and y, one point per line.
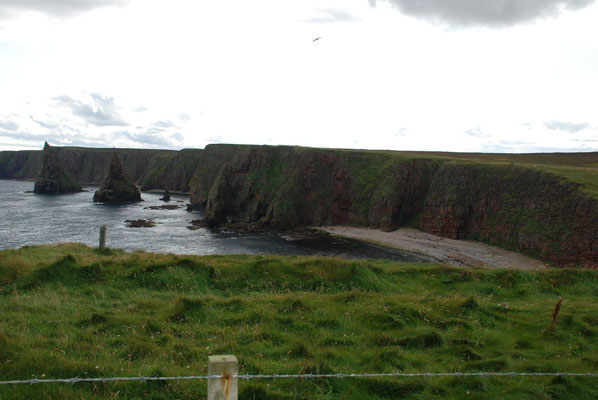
287	186
171	171
55	179
152	169
26	164
517	208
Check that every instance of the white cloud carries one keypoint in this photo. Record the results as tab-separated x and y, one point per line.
185	73
566	126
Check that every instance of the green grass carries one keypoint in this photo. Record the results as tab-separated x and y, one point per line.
69	310
580	168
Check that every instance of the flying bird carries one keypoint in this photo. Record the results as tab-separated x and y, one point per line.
318	38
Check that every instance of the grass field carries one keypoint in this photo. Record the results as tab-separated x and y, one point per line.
69	311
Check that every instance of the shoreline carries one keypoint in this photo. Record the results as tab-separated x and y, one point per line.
460	253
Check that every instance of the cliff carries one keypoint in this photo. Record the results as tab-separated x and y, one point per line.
284	187
523	207
545	205
55	179
152	169
518	208
24	164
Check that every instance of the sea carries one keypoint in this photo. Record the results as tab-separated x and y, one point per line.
29	219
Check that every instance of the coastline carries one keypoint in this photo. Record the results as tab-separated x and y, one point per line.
447	251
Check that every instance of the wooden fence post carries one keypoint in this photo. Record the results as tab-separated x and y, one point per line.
103	237
225	388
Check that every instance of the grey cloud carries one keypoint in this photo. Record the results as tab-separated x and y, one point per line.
401	132
59	139
185	117
328	15
153	137
585	140
476	132
45	124
178	137
57	8
491	13
25	139
164	124
23	136
104	114
9	125
530	148
566	126
215	139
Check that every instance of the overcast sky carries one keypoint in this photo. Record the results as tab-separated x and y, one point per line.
448	75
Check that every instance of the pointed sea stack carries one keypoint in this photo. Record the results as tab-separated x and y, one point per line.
55	179
116	187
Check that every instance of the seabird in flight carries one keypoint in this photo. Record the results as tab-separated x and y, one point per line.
318	38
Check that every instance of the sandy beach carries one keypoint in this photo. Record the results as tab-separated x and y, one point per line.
446	251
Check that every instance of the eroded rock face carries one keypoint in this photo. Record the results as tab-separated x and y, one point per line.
117	188
518	208
286	187
281	187
55	179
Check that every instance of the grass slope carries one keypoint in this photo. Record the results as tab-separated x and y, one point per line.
69	311
580	168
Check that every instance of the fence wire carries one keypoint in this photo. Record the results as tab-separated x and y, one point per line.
303	376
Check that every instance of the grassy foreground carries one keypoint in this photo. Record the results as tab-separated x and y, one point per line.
69	311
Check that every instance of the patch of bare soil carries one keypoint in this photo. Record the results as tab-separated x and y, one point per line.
446	251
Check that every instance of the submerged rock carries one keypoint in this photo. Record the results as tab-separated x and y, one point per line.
117	188
164	207
55	179
140	223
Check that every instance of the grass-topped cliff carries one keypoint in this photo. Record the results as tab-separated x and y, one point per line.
69	311
545	205
151	169
548	210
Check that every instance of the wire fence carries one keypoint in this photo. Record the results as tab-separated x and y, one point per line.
304	376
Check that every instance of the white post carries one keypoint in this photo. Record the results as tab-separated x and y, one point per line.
226	387
103	237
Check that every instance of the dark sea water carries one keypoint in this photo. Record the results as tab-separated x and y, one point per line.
28	219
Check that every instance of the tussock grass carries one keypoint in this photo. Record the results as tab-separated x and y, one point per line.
69	310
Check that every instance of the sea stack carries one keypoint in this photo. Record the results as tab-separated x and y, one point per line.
116	187
55	179
166	196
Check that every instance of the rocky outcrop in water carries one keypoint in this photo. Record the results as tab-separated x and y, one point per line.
150	169
55	179
166	195
117	188
140	223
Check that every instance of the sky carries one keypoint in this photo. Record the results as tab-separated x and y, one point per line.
512	76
